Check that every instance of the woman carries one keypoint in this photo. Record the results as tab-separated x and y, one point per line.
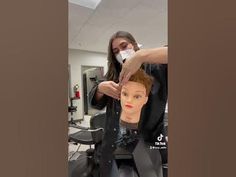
123	48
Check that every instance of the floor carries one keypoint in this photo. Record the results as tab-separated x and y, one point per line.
73	150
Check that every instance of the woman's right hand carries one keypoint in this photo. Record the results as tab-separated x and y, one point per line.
109	88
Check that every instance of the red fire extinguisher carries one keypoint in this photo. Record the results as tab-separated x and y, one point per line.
76	91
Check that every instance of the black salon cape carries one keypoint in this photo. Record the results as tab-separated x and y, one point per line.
151	123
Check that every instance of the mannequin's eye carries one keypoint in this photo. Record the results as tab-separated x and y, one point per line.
137	96
124	94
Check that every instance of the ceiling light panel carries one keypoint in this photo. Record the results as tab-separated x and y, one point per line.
92	4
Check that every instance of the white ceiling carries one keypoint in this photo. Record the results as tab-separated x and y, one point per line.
91	29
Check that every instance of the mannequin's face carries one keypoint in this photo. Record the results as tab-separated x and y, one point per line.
133	97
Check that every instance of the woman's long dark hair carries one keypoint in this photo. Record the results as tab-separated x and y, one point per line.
114	66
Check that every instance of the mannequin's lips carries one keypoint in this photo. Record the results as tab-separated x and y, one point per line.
128	106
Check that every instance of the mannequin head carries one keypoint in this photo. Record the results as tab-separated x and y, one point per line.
134	95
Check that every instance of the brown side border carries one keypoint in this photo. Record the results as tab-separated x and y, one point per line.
33	67
202	85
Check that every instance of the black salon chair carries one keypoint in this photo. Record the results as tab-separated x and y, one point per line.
84	165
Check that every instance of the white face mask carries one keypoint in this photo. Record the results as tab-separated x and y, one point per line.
124	55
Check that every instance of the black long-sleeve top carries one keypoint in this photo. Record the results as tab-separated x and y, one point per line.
151	123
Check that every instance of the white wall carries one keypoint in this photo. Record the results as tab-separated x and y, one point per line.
78	58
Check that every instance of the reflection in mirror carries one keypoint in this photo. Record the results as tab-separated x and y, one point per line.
91	76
